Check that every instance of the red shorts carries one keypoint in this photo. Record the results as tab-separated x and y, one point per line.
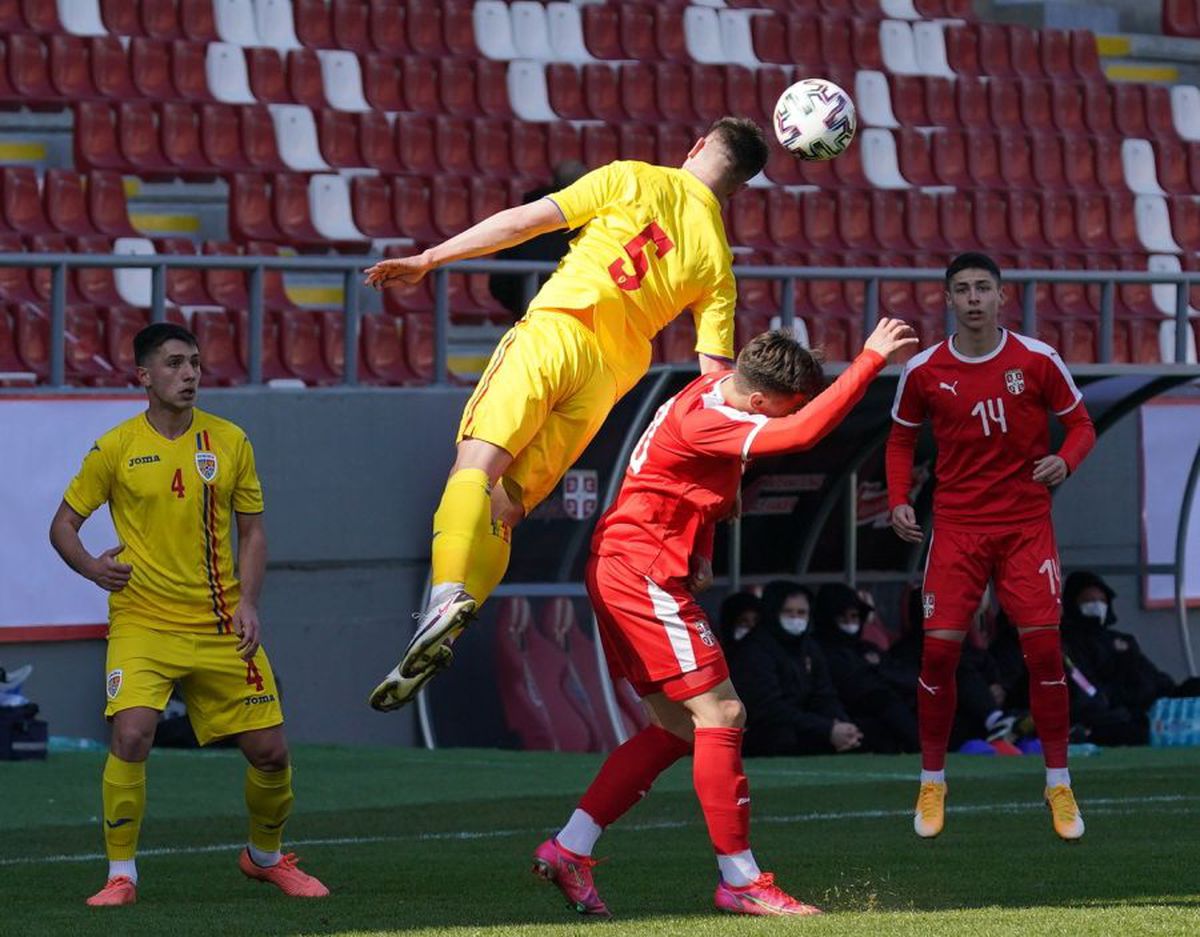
654	636
1022	562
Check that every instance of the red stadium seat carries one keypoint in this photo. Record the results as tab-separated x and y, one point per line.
31	327
272	366
22	202
980	106
864	44
383	360
1185	222
783	219
274	293
418	345
1160	122
565	86
290	211
185	287
491	145
411	208
769	34
1110	172
69	70
636	32
1046	156
804	42
183	143
300	347
188	70
529	150
1079	162
1085	58
220	139
1024	51
456	78
66	203
491	89
600	93
887	219
267	80
11	20
305	84
673	92
386	27
1129	110
217	337
782	167
1098	109
912	149
1017	159
226	287
1171	159
15	285
741	92
336	131
371	203
995	57
52	243
86	361
983	159
381	82
250	215
599	145
110	68
150	68
1058	222
638	92
835	42
96	285
854	220
1055	47
414	143
772	82
312	22
848	169
41	17
418	78
669	34
708	92
956	217
908	100
601	32
424	20
450	203
121	324
940	102
138	132
748	214
196	20
637	142
563	143
921	221
458	28
487	196
257	132
819	212
1091	221
962	49
159	19
950	159
28	69
990	212
452	145
376	142
1193	157
1035	105
1121	222
1067	107
1004	104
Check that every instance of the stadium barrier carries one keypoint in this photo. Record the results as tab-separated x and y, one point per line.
351	270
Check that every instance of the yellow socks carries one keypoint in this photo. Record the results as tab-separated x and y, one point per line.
489	561
124	795
269	801
462	521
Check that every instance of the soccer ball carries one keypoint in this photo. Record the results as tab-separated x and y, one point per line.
815	119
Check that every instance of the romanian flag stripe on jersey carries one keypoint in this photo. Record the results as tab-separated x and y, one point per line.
173	504
486	380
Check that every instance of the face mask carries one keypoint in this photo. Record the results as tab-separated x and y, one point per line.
740	632
1094	610
849	627
793	624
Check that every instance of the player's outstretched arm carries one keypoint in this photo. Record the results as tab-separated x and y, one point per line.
104	570
503	229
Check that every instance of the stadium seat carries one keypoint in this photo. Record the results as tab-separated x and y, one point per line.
300	347
381	83
275	294
636	142
272	366
962	49
95	285
456	80
138	135
637	88
296	138
804	42
1079	163
1185	111
599	145
907	93
150	69
995	54
305	83
22	202
983	158
342	78
227	287
491	144
424	26
1137	162
1017	159
771	84
564	22
189	70
382	359
119	17
929	43
854	220
80	17
921	221
351	24
601	94
339	140
526	712
121	324
110	68
974	104
312	25
371	201
65	202
291	212
737	42
563	142
1004	104
819	214
1129	110
565	90
419	81
956	218
375	142
40	277
1055	50
458	29
196	20
185	287
275	25
991	215
940	102
769	36
411	208
1185	222
1122	225
217	338
741	92
1046	158
491	88
1059	223
452	145
86	361
1091	221
387	28
28	69
1035	105
257	131
493	30
235	22
219	139
530	31
68	68
893	43
581	652
133	283
250	215
1159	120
182	140
1153	224
450	205
702	34
526	84
783	221
41	17
834	37
879	159
950	159
1085	58
1024	52
874	100
672	92
914	158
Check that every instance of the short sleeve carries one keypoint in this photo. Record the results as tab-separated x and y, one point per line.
713	314
247	493
1060	390
582	200
91	487
909	407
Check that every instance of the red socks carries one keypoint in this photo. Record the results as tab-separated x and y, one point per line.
1049	701
627	774
937	698
722	788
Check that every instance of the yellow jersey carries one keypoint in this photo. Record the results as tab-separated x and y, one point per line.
652	245
172	504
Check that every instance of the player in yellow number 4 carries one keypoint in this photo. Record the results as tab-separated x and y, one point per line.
175	479
653	244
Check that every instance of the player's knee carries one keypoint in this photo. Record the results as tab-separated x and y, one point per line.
269	758
132	741
721	714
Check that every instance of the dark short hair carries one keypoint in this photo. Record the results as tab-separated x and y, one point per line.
775	363
153	337
972	260
745	143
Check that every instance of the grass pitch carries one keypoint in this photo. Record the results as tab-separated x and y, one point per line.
422	843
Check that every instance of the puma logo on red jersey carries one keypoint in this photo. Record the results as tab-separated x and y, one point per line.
953	388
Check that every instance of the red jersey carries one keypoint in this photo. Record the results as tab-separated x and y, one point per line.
990	424
684	473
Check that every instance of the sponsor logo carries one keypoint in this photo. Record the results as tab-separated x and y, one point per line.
705	633
1014	380
581	493
931	690
927	604
953	388
143	460
206	465
742	801
112	686
256	700
113	824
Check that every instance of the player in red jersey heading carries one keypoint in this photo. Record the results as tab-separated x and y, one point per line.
651	550
987	392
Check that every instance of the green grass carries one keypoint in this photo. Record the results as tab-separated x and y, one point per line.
414	842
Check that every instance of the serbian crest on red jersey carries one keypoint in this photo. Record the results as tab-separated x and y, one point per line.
581	493
206	465
928	604
1014	380
705	633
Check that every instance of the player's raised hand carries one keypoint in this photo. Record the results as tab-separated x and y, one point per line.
700	573
246	627
1049	470
890	336
405	270
110	573
904	523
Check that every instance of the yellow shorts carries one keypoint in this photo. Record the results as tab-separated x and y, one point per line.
543	397
224	694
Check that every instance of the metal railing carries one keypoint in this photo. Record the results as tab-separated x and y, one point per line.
351	270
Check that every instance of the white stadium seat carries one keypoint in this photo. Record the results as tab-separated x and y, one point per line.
530	31
1185	111
898	48
899	9
702	33
81	17
880	164
736	42
341	76
225	70
1153	224
527	91
566	34
929	44
493	30
329	206
133	283
296	138
1141	174
234	20
276	28
873	99
1164	293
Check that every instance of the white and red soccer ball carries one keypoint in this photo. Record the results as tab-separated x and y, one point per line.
815	119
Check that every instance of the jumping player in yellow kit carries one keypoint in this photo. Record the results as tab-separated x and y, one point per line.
176	479
653	244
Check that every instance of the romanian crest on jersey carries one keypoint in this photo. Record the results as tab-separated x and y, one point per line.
1014	380
581	493
206	465
112	686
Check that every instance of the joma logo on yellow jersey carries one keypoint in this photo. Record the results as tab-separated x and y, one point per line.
143	460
